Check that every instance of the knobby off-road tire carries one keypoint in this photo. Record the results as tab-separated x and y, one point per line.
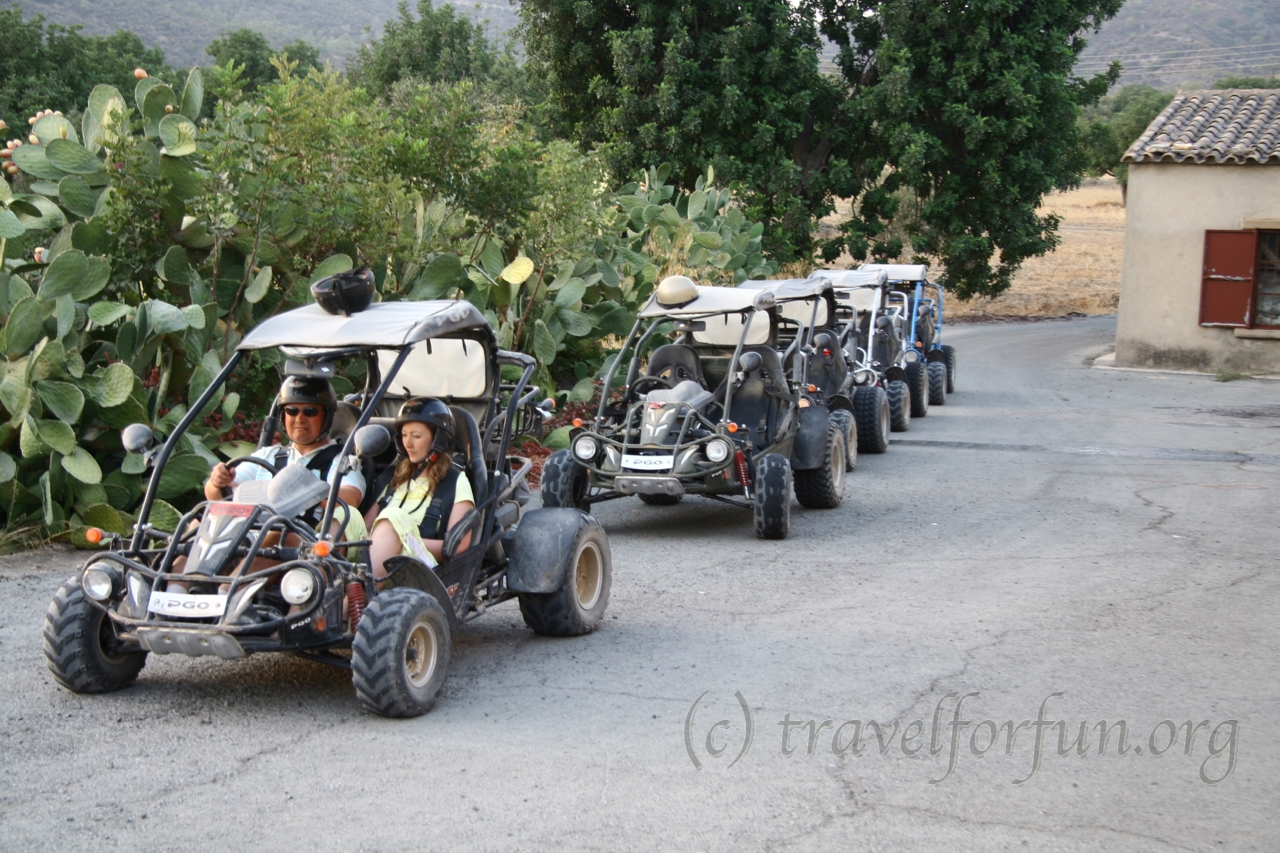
80	645
400	656
899	406
771	496
578	606
849	429
918	382
823	487
660	500
949	353
871	411
564	482
937	383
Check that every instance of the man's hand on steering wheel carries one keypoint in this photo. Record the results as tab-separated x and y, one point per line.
223	477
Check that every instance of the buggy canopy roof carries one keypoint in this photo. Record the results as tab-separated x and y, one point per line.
899	272
785	289
711	300
849	279
384	324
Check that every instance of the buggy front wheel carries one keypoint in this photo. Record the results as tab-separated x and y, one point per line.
400	655
771	496
848	428
577	607
899	406
871	411
81	647
564	482
937	383
949	354
918	382
823	487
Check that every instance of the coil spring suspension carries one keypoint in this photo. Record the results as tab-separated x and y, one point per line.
356	602
744	477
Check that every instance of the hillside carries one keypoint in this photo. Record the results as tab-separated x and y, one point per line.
1188	44
184	27
1164	43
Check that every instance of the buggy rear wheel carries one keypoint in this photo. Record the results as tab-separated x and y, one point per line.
823	487
848	428
899	406
871	411
578	606
400	655
660	500
564	482
918	382
937	383
949	353
771	496
81	647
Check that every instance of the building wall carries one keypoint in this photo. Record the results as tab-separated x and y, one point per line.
1169	207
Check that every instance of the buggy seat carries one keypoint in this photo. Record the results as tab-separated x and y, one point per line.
676	363
758	400
688	392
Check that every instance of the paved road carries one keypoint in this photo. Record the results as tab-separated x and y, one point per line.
1103	535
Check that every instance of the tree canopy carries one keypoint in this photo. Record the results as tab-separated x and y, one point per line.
49	66
436	47
965	111
1114	123
249	48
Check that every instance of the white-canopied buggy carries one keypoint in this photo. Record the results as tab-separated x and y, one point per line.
707	408
319	598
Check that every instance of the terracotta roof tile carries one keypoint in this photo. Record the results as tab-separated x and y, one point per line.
1224	126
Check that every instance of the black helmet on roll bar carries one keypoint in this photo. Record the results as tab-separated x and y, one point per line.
345	293
429	411
309	391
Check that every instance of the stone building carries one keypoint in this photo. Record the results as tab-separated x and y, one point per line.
1200	286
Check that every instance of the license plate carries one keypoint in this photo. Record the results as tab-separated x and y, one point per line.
647	463
187	606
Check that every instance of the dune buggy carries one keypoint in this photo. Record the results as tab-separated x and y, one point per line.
925	309
885	370
197	591
714	413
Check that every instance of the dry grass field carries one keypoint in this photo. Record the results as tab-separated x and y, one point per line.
1082	276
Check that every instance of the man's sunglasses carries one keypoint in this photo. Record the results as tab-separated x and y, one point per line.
307	411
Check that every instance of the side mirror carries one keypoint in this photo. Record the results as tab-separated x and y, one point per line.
372	440
749	361
137	438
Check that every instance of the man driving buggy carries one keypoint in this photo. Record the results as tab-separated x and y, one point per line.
307	406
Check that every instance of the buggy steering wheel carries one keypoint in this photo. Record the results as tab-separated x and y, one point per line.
645	384
269	464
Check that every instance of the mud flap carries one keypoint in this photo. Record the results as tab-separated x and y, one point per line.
410	573
840	401
810	450
543	548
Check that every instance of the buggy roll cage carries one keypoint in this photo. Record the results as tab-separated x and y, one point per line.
521	394
654	311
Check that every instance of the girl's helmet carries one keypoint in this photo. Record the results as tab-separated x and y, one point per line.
429	411
345	293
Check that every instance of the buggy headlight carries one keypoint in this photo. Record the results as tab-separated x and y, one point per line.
297	585
585	447
718	450
100	581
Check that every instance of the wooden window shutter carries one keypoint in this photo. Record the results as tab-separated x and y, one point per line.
1227	278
